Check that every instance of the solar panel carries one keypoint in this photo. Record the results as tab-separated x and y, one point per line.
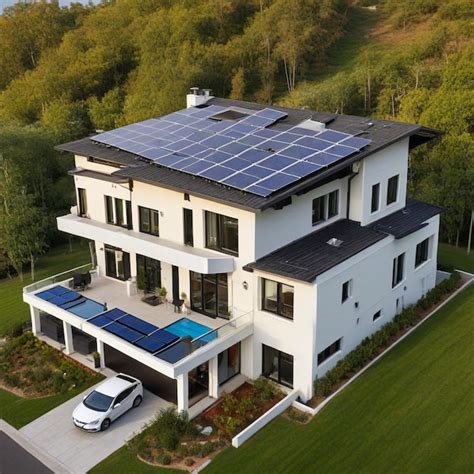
100	321
123	332
114	314
150	344
223	145
137	324
73	303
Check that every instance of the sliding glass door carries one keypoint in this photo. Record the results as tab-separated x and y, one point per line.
209	294
148	273
277	365
117	263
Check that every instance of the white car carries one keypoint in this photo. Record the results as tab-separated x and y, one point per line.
107	402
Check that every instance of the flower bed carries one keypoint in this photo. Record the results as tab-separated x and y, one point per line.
31	368
372	346
174	441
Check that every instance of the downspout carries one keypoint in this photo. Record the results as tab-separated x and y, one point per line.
348	204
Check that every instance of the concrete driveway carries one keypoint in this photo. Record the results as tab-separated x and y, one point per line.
77	450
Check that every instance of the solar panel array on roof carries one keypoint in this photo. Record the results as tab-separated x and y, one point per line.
240	153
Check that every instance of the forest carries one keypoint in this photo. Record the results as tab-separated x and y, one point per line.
66	72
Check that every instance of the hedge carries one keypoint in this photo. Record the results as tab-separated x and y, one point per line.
370	347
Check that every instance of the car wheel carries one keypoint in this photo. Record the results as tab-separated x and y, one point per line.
137	401
105	424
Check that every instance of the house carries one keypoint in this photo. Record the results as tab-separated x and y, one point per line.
283	238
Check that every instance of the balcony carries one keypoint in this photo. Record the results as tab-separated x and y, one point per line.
198	260
221	335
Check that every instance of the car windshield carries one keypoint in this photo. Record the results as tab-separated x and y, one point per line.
97	401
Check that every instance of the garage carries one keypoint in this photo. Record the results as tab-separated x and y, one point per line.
152	380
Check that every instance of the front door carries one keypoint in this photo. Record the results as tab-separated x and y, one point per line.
175	271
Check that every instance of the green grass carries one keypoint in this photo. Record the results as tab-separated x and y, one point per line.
451	256
18	411
57	260
409	413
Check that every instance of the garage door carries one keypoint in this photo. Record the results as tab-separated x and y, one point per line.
152	380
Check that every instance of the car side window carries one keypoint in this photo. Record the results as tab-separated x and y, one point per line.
120	398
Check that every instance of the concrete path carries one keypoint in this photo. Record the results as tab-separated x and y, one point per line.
77	450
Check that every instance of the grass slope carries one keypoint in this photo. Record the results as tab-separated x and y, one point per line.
57	260
451	256
411	412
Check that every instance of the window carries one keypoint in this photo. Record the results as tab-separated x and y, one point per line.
421	255
120	398
377	315
325	207
209	294
392	190
119	214
148	273
222	233
228	363
277	365
329	351
82	202
149	220
375	201
346	290
188	227
109	210
277	298
397	271
117	263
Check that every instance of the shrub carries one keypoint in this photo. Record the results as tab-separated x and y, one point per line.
189	461
169	427
164	459
264	389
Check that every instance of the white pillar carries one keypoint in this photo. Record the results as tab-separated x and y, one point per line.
35	320
183	392
68	338
214	377
101	351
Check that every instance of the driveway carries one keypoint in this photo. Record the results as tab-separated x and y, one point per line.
77	450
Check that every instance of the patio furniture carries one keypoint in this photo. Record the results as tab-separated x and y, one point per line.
177	304
81	281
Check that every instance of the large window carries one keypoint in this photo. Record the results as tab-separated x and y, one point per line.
277	298
188	236
228	363
397	270
149	220
277	365
422	250
375	200
325	207
209	294
117	263
148	273
118	212
82	201
222	233
329	351
392	190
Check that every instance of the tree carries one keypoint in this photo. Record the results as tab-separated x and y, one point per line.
238	85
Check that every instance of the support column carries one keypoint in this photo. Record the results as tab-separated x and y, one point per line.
35	320
214	377
183	392
68	338
101	351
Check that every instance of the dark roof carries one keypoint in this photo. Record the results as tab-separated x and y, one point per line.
407	220
310	256
97	175
381	133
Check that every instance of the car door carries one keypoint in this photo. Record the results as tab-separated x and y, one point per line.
120	405
128	400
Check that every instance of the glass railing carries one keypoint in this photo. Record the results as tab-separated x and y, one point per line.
59	278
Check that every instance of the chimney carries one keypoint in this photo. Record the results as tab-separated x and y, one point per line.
197	96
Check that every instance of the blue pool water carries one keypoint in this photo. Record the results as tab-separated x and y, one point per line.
185	327
87	309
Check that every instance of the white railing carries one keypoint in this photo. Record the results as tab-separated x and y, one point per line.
59	278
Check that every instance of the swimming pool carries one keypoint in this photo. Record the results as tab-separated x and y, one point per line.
185	327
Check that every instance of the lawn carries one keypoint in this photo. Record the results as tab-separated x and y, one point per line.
57	260
451	256
411	412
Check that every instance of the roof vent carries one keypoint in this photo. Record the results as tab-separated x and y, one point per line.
334	242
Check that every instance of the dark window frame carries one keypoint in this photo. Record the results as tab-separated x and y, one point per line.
220	224
333	204
109	210
377	315
346	291
82	202
329	351
422	252
188	232
222	382
279	303
216	277
319	205
398	270
108	249
392	189
279	355
151	214
375	198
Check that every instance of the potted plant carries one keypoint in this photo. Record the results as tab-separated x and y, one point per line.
161	293
185	307
96	357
